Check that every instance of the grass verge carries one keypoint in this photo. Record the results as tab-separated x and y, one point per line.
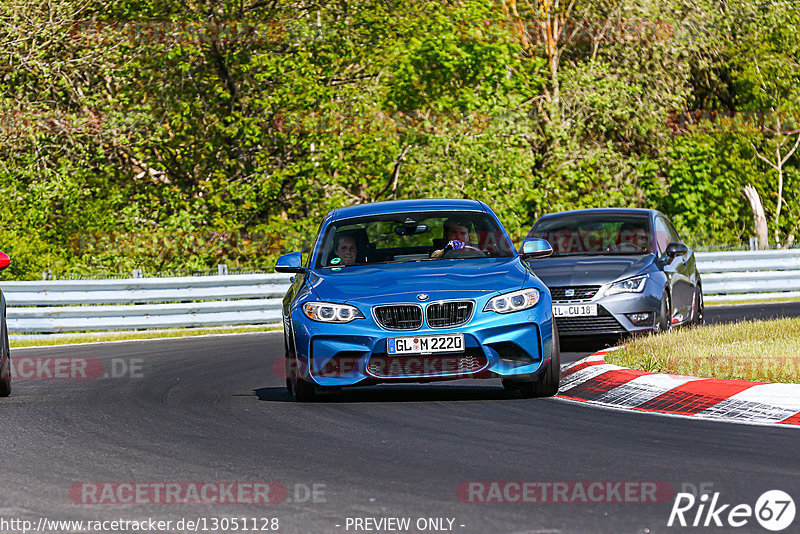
760	351
759	301
93	337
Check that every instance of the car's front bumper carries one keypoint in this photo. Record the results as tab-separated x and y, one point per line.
613	315
515	345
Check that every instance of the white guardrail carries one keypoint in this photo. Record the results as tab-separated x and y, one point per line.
749	275
140	303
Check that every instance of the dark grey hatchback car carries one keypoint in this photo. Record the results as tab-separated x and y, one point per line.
617	271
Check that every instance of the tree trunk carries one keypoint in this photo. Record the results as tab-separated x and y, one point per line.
780	161
759	218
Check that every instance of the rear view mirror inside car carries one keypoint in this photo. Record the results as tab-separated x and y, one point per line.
411	230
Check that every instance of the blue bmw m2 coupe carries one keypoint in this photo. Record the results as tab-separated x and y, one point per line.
417	291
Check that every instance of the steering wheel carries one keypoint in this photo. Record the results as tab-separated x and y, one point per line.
469	251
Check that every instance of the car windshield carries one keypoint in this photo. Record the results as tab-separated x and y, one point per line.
578	234
404	237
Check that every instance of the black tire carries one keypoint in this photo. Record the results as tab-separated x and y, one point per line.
548	382
5	364
301	390
699	308
287	364
290	363
664	323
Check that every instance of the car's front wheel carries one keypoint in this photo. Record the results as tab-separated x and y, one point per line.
664	322
303	391
699	311
300	389
548	382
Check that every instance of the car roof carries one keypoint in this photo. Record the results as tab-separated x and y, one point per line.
400	206
604	211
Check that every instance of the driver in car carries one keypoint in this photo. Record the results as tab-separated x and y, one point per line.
456	233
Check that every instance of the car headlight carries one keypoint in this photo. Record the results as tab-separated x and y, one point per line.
511	302
631	285
327	312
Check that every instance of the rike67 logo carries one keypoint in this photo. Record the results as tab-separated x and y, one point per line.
774	510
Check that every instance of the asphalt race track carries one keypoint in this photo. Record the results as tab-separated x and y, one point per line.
213	410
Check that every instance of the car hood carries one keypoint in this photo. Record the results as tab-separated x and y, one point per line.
589	270
404	281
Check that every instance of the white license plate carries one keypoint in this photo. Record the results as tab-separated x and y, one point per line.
574	310
425	344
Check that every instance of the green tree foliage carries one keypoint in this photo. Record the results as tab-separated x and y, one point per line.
170	135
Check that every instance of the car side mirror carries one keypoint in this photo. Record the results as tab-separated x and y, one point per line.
290	263
5	261
676	249
533	248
